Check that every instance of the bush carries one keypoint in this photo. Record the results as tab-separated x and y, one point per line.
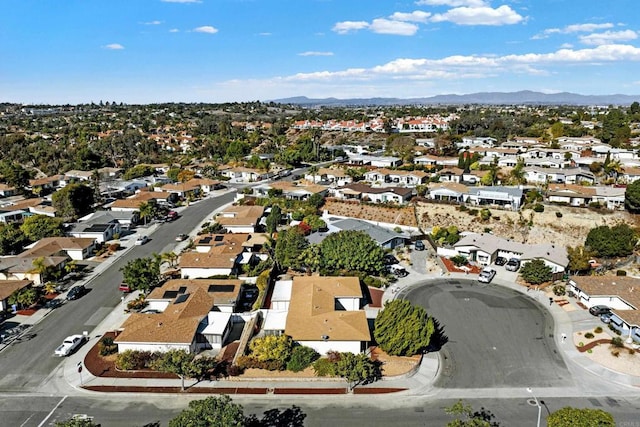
485	214
462	208
297	215
263	280
133	360
588	335
558	214
234	371
538	207
324	367
621	273
559	290
301	358
598	330
614	330
114	247
473	212
617	342
372	282
248	362
106	346
459	260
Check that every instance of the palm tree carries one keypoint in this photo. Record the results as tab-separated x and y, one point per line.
49	288
147	210
40	268
169	257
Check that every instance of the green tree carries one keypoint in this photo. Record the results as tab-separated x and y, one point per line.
403	329
142	273
139	171
172	174
177	362
148	210
632	197
351	250
579	258
357	368
38	227
536	272
273	219
616	241
272	348
311	257
210	412
289	245
12	239
170	258
14	174
301	358
73	201
467	417
575	417
76	422
24	297
316	200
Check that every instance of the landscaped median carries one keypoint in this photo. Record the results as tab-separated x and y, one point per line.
258	381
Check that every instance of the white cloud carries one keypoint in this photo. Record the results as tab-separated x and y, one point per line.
315	53
573	28
174	30
345	27
152	23
503	15
208	29
608	37
452	3
181	1
386	26
114	46
264	34
415	16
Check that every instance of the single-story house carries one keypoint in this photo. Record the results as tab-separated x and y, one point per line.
325	314
498	196
7	288
385	237
448	192
485	248
240	219
215	255
620	293
76	248
363	192
25	267
290	190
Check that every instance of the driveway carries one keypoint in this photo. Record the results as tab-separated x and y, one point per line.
497	337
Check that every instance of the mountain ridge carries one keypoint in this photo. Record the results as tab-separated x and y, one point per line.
523	97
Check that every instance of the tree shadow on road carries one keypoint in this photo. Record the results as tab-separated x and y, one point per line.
438	339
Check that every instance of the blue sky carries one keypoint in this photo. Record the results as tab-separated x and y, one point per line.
142	51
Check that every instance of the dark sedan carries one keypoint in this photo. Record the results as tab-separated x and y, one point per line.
76	292
598	310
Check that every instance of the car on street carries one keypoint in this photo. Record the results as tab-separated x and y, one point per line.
598	310
76	292
53	303
69	345
142	240
486	275
512	265
500	260
124	287
181	237
171	216
419	245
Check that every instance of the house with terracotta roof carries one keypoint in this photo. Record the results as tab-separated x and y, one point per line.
132	204
448	192
620	293
215	255
396	177
570	194
179	315
430	160
7	190
75	248
291	190
240	219
48	184
24	267
325	313
7	288
337	176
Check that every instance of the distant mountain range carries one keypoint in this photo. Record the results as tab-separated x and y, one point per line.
525	97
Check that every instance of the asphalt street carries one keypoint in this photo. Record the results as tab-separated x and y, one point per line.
27	364
497	337
128	411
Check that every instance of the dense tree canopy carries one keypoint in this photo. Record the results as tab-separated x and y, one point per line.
142	273
536	272
177	362
579	258
403	329
575	417
608	242
38	227
73	200
290	244
632	197
357	368
210	412
353	251
12	239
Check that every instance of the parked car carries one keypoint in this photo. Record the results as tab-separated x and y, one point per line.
598	310
512	265
486	275
76	292
172	216
398	270
181	237
53	303
142	240
500	260
69	345
419	245
606	317
389	259
124	287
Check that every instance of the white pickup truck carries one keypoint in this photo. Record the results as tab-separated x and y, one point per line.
70	344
